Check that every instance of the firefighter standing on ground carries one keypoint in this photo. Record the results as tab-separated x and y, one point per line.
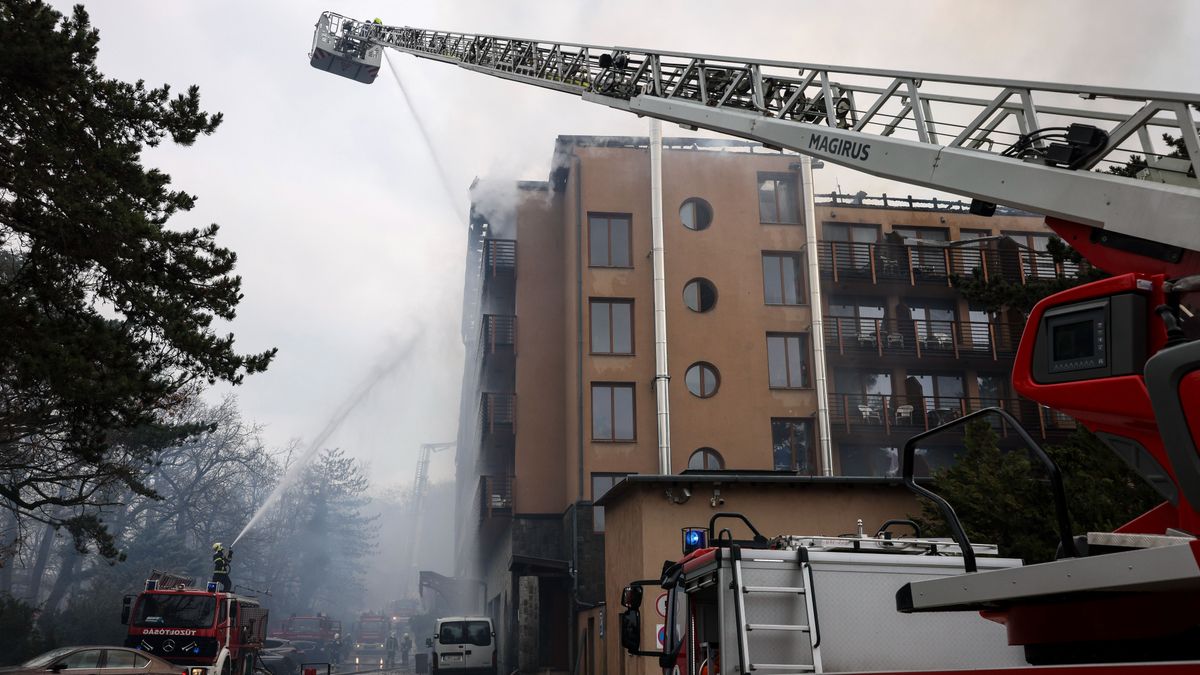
391	650
335	649
221	560
405	648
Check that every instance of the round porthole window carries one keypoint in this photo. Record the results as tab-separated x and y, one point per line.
700	295
702	379
696	214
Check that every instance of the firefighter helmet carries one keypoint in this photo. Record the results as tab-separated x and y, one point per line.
217	546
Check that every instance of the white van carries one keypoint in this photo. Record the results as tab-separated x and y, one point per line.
463	645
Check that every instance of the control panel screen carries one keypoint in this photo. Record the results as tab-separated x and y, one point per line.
1091	339
1074	340
1078	338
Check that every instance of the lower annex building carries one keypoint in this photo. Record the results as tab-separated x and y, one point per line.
558	402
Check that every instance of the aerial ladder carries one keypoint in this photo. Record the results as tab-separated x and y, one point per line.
1119	354
417	512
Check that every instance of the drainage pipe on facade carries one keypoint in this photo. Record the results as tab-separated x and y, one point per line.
816	312
661	374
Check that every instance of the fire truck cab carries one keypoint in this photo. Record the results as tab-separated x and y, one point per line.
370	635
206	632
319	629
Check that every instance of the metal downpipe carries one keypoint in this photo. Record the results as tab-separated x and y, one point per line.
662	376
816	313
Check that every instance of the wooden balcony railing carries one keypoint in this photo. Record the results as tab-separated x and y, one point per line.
500	258
922	338
917	265
906	415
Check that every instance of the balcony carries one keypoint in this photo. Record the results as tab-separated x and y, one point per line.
499	258
498	414
921	265
900	416
908	339
495	497
499	335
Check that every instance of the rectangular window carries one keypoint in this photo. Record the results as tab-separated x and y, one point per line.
934	321
792	445
991	389
787	360
612	412
612	326
941	392
602	483
777	201
851	246
609	240
862	319
1036	260
929	259
783	279
868	460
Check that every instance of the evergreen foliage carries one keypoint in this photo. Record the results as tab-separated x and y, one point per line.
106	313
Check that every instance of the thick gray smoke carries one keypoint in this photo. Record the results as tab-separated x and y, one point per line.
356	397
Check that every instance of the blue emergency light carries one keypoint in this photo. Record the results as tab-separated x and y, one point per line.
694	538
212	587
151	584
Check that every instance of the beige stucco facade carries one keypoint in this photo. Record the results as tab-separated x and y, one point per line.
645	527
549	466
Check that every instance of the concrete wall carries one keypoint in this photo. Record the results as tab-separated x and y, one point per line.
646	528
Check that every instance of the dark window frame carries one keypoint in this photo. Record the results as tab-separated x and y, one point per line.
628	217
806	357
612	403
592	302
715	294
697	203
800	275
858	302
703	365
779	177
706	453
598	523
812	459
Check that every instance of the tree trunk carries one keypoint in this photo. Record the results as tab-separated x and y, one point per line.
8	550
67	571
38	571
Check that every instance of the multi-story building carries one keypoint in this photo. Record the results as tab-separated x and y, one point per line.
558	399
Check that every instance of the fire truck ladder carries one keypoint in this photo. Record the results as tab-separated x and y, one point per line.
1030	145
773	601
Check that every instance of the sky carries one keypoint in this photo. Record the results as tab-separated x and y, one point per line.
351	252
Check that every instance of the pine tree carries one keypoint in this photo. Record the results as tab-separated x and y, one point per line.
106	313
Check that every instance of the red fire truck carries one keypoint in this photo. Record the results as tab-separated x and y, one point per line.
370	634
319	629
205	631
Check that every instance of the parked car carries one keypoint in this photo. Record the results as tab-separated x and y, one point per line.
281	657
463	645
94	660
310	652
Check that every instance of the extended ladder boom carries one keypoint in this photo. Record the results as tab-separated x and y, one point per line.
1030	145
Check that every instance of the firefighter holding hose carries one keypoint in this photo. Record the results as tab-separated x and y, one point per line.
221	560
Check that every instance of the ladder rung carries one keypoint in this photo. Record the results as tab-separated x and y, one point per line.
795	667
772	589
776	626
